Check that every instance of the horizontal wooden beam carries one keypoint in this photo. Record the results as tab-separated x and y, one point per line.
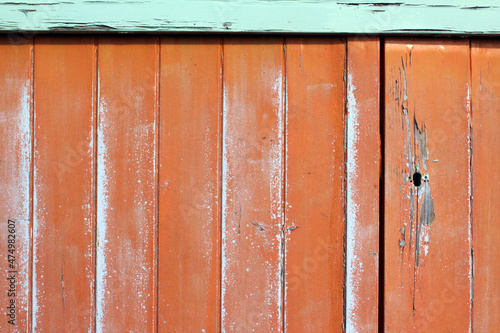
449	17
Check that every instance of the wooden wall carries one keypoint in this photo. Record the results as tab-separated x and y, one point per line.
249	184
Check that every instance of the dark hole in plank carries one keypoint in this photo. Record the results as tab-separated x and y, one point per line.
417	179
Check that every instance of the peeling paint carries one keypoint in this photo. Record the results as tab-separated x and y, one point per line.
408	148
15	162
243	159
421	142
426	210
447	17
402	242
421	203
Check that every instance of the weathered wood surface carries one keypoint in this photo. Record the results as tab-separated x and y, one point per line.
252	185
190	185
233	184
315	183
15	182
428	268
64	184
357	17
363	184
485	184
127	171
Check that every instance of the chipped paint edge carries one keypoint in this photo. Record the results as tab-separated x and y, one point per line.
437	17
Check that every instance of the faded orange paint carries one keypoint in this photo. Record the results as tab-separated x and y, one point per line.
127	184
64	183
363	184
427	229
15	183
253	165
190	184
485	56
315	176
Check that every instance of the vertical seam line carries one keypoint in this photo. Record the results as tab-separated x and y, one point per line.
157	208
284	93
94	148
381	268
471	187
345	185
32	185
221	177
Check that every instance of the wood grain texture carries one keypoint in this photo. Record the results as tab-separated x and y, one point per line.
64	183
127	184
15	182
252	197
365	17
427	227
207	183
315	177
363	183
190	184
485	57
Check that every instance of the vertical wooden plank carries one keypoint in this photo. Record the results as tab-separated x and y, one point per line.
485	57
252	196
15	170
127	182
363	183
427	227
190	184
63	234
315	176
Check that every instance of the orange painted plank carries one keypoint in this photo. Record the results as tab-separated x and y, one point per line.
363	183
64	183
15	183
252	195
315	176
427	228
190	184
485	57
126	184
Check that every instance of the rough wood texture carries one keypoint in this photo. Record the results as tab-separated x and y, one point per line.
127	185
363	183
252	195
229	190
315	179
390	16
427	227
486	180
64	183
15	183
190	184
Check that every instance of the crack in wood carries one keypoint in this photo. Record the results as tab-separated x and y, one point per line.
257	225
416	161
